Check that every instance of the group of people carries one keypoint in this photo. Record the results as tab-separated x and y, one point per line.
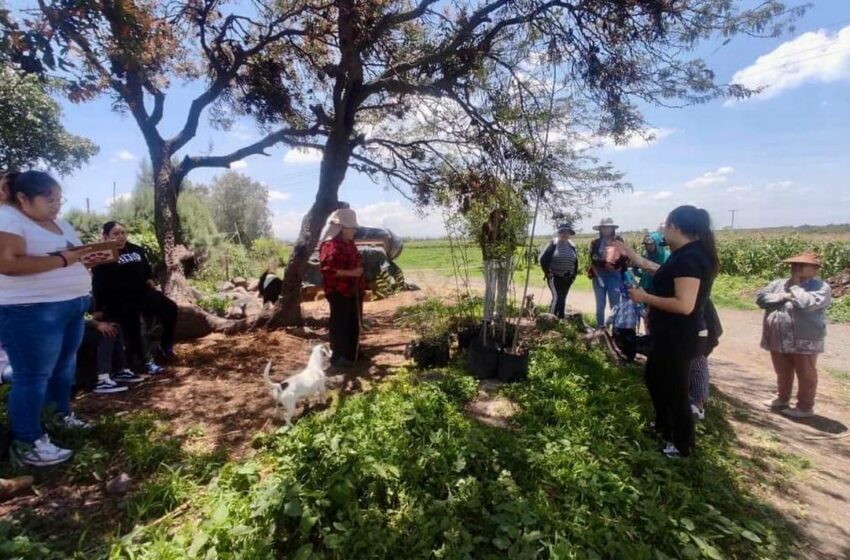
668	287
46	294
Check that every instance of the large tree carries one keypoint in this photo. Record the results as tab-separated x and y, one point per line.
31	131
138	51
240	206
373	63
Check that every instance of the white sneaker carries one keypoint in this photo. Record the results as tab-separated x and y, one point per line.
106	385
797	412
153	368
73	423
42	453
698	412
777	404
671	451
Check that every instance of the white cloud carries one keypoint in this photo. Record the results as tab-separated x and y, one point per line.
275	195
813	57
639	194
717	177
125	155
118	198
779	186
661	195
739	189
302	156
639	140
241	164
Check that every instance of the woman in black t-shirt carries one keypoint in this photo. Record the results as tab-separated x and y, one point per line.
682	286
125	292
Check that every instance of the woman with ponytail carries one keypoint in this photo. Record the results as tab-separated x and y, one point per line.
677	316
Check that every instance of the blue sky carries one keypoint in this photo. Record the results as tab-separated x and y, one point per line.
781	158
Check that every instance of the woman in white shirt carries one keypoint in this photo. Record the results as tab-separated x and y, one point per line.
44	294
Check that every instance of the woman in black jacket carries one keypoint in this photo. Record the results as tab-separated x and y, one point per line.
125	292
560	265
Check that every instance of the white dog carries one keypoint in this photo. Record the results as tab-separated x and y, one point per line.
307	383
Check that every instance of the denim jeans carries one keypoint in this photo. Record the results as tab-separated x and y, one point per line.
42	341
611	289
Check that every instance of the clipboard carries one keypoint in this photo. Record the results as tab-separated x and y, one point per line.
94	254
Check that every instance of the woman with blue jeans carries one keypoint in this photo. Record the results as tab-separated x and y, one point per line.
44	295
607	266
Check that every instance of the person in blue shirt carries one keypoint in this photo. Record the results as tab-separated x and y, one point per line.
607	264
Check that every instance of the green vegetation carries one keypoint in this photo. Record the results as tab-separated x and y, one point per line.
164	476
401	472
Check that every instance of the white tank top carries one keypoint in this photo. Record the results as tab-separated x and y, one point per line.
61	284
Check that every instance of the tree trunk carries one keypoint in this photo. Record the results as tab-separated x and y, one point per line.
168	233
335	158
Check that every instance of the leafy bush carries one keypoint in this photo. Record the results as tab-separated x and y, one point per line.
215	305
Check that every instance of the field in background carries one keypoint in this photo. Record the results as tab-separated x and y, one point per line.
748	259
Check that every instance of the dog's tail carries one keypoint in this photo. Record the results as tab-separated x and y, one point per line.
266	377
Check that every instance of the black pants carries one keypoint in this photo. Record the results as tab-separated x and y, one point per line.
344	326
560	288
626	341
668	378
151	305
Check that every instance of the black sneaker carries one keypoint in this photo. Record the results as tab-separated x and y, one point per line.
105	386
127	376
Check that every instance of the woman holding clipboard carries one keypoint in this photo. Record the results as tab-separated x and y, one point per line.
44	295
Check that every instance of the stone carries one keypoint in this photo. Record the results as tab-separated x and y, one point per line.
253	285
240	282
224	287
236	312
119	485
241	291
11	487
546	321
411	287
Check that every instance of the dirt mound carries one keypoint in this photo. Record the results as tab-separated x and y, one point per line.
840	283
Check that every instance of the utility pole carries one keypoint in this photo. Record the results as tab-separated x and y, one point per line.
733	218
88	206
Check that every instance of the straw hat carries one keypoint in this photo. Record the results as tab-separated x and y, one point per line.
804	258
606	222
566	227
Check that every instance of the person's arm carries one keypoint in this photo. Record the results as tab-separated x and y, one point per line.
770	296
683	301
14	260
645	264
815	300
577	265
546	258
330	267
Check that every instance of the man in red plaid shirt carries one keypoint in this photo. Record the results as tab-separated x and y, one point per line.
344	285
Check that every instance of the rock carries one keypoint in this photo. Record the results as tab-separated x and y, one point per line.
236	313
197	294
546	321
411	287
253	285
11	487
119	485
240	282
224	287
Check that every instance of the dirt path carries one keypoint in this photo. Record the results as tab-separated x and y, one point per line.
818	501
